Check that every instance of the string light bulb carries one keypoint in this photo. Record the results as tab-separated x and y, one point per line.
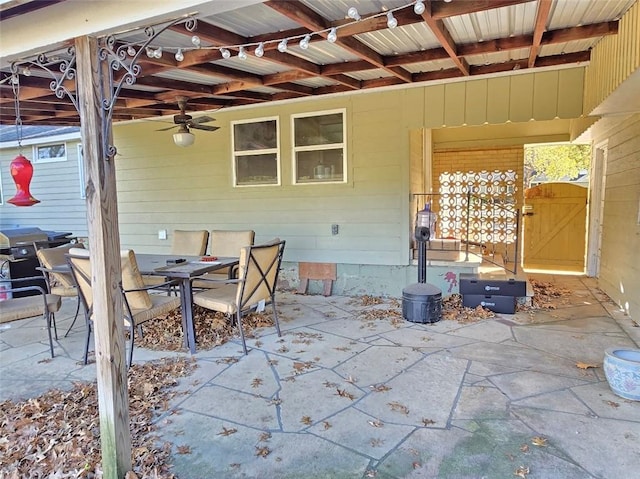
391	20
353	13
195	40
226	54
26	71
418	8
304	43
158	53
179	55
259	50
242	53
333	35
282	46
131	51
149	52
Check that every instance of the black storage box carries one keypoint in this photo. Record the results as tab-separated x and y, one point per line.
422	303
495	303
479	284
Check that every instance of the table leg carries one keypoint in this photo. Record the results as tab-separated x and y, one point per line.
187	314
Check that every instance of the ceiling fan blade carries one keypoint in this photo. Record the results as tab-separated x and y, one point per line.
202	119
167	128
204	127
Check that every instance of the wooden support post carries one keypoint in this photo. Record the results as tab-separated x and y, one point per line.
104	241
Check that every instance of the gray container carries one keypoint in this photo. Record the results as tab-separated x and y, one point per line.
422	303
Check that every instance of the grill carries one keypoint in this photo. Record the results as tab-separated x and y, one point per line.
18	250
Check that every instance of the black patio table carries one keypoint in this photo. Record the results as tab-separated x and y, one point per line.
185	271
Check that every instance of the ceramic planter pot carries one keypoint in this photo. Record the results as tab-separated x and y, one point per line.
622	370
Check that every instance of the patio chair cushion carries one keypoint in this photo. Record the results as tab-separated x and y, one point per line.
222	298
27	307
132	279
49	257
160	305
190	243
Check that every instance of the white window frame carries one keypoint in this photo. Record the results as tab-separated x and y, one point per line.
83	194
329	146
265	151
37	159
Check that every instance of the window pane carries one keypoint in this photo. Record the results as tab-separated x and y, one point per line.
257	169
51	151
318	130
321	165
255	136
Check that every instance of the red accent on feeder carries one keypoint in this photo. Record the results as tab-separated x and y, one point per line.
22	172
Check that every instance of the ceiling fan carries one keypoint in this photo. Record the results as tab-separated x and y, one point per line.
183	121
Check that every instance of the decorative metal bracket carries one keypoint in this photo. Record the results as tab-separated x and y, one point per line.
122	68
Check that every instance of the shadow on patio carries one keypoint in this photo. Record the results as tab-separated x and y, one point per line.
353	391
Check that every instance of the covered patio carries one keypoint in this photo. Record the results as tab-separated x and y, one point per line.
353	390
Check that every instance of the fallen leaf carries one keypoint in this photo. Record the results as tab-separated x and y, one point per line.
586	365
397	407
262	451
306	420
524	448
613	404
183	450
257	382
351	379
265	436
539	441
427	422
376	423
227	431
375	442
416	465
343	393
521	472
379	388
326	425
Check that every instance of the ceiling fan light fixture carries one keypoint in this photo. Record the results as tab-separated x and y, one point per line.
184	137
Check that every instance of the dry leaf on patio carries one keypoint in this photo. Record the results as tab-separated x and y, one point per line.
262	451
427	422
376	423
257	382
343	393
524	448
416	465
183	450
227	431
376	442
539	441
380	388
613	404
326	425
306	420
397	407
351	379
521	472
582	365
265	436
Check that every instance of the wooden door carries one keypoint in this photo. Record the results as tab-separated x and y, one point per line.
554	229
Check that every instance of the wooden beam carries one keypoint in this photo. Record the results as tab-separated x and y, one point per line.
440	31
544	7
106	273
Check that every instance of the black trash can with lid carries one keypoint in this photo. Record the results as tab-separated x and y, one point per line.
422	303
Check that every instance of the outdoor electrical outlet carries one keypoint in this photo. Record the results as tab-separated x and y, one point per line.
334	229
162	234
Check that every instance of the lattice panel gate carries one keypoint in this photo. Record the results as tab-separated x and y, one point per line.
492	212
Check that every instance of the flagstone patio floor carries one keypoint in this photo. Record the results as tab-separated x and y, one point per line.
351	393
